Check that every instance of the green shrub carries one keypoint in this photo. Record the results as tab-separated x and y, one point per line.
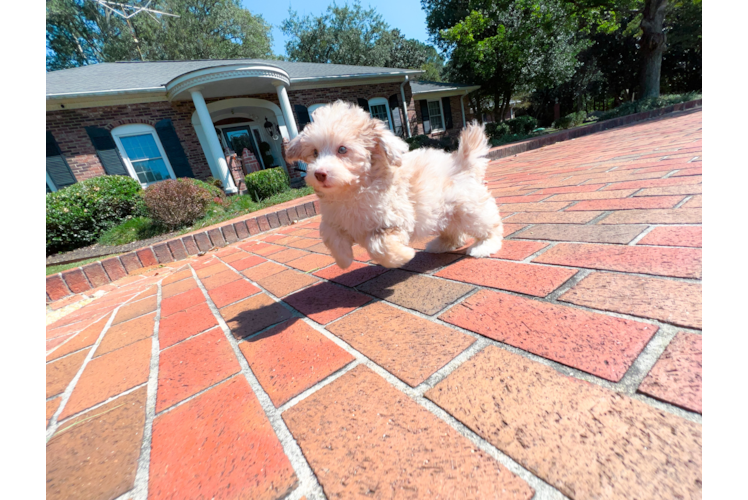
570	120
214	189
265	183
175	203
78	214
423	141
497	130
522	125
641	105
135	229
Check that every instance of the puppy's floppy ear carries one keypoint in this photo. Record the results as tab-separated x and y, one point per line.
294	148
392	147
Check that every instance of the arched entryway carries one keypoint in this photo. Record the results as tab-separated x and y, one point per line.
252	114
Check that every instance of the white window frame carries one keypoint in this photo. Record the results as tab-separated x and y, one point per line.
441	111
139	129
51	183
313	107
378	101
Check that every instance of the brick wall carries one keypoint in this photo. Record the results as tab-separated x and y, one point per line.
67	126
454	103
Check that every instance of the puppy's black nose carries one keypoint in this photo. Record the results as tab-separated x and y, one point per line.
320	176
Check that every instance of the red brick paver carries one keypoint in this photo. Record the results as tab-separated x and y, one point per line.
585	440
357	375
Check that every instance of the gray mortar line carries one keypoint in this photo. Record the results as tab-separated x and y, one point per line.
647	359
670	174
196	395
529	258
308	484
72	336
683	201
319	385
52	427
669	408
641	235
142	475
99	405
599	218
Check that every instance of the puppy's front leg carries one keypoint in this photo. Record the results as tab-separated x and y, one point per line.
388	248
340	245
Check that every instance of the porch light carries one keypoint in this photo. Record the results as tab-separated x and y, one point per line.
271	129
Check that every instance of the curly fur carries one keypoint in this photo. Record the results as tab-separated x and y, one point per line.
381	196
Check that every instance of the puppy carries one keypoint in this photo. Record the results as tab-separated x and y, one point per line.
375	193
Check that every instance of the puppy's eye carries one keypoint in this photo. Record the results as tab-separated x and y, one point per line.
342	150
316	153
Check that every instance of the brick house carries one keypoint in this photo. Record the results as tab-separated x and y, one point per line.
168	119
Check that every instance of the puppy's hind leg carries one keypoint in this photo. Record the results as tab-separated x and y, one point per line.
339	244
448	240
388	248
486	227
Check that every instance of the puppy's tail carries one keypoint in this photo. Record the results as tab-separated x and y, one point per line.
471	155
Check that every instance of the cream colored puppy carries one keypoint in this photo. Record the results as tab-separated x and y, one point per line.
375	193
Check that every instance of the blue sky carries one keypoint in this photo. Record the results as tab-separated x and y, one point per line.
403	14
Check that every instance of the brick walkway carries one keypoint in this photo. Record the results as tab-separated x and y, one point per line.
567	365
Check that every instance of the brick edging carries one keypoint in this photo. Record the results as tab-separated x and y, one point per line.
565	135
97	274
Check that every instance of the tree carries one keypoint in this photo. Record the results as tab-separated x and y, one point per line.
81	32
357	36
508	45
653	40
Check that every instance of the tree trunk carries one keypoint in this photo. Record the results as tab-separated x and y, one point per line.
652	46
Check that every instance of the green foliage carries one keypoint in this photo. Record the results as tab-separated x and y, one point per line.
496	130
424	141
135	229
78	214
570	120
522	124
648	104
353	35
80	32
513	130
177	202
266	183
214	186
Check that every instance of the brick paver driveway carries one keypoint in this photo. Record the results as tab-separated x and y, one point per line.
567	364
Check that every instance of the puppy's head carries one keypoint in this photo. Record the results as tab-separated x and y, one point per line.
344	147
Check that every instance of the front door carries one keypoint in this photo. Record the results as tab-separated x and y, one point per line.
238	138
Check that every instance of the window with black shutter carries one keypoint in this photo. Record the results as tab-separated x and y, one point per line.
397	117
107	151
173	149
302	115
363	103
425	116
58	170
447	108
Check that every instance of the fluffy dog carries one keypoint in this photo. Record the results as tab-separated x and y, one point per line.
375	193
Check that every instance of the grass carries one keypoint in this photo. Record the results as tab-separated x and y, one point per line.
58	268
138	228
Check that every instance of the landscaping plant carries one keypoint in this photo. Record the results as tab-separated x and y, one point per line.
265	183
175	203
78	214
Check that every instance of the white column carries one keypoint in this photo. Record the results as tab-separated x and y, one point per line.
286	108
462	106
213	143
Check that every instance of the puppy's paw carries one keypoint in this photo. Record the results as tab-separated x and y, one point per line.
344	262
398	257
484	248
441	245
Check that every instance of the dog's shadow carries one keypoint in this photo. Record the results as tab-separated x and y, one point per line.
350	290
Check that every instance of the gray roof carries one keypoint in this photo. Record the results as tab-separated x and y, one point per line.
419	87
123	76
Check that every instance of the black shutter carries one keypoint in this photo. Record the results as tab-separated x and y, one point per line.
302	114
107	151
57	168
425	116
364	104
447	113
173	148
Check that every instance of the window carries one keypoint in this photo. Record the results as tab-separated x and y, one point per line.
380	109
143	154
435	115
